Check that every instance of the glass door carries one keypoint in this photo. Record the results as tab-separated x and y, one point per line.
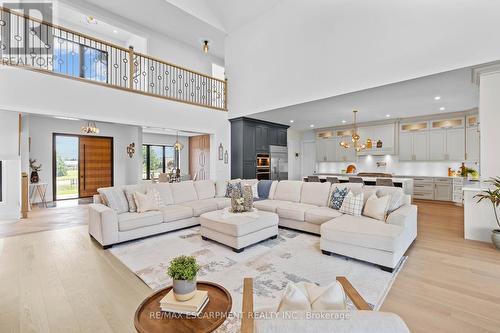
66	167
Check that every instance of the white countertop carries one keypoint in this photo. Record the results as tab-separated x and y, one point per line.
365	178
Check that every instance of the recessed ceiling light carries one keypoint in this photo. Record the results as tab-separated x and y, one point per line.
67	118
343	121
311	125
115	31
387	115
442	108
292	121
437	98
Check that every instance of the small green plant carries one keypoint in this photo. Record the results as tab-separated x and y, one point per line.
183	268
493	195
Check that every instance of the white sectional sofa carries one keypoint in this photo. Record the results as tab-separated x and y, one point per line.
303	206
183	203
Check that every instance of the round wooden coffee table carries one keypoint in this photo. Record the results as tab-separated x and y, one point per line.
150	319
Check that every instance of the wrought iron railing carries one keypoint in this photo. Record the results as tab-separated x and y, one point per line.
42	46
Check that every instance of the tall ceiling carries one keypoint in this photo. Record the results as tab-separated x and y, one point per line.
410	98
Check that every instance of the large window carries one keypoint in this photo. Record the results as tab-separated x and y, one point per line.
157	159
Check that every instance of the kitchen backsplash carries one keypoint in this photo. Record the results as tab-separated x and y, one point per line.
391	164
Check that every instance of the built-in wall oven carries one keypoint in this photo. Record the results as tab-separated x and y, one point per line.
263	166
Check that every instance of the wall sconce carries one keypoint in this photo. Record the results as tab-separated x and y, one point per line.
131	150
221	152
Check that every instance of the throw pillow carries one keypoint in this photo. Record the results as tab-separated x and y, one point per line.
337	197
115	199
352	204
145	202
156	195
253	183
376	207
306	296
132	207
263	188
231	186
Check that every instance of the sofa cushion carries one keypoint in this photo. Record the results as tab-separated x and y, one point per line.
253	184
288	190
205	189
183	192
129	194
272	189
130	221
352	204
315	193
363	231
319	215
165	191
176	212
201	206
115	198
232	185
220	188
293	211
376	207
337	197
269	205
263	188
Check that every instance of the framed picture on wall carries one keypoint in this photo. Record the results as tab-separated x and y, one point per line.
221	152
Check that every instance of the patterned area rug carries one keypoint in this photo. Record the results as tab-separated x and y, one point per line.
293	256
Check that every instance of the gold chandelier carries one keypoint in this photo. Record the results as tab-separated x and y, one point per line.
356	144
177	145
90	128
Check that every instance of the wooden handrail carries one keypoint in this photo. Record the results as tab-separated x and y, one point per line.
353	294
150	83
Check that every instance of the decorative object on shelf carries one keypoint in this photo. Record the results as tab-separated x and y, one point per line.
226	158
351	168
379	144
221	152
355	138
183	271
177	145
35	168
369	144
493	195
90	128
469	173
131	150
247	198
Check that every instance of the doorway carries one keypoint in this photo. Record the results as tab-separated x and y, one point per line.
81	165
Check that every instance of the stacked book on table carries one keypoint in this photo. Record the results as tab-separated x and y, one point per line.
191	307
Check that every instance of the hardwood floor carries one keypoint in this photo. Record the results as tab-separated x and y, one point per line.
62	281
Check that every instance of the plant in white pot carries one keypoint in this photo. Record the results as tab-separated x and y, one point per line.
183	271
493	195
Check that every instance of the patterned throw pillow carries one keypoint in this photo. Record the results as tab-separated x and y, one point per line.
353	204
156	195
232	186
115	199
337	197
132	207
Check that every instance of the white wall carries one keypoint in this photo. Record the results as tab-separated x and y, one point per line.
50	95
11	166
126	170
489	121
307	50
169	140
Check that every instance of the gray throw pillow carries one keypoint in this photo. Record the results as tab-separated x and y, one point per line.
115	198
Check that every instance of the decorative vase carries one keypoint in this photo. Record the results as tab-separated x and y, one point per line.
247	198
379	144
34	177
184	290
495	238
237	202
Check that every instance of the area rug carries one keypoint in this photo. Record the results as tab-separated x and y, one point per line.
293	256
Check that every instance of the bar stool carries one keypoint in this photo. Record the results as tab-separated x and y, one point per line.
384	182
332	180
313	179
356	180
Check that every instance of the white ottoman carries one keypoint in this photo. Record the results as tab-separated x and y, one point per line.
238	230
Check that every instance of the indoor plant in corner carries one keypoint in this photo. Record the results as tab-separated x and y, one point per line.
493	195
183	270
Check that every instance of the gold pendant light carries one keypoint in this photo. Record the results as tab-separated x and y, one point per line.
356	144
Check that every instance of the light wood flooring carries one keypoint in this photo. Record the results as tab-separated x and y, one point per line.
62	281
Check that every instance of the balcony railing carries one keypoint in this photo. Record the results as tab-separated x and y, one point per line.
42	46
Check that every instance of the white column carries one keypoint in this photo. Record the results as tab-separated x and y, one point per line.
489	118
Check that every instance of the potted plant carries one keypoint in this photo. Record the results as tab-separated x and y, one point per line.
183	271
34	178
493	195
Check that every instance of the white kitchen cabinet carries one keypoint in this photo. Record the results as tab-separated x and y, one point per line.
437	145
406	146
455	144
443	189
421	146
321	150
384	133
472	144
330	149
325	150
343	154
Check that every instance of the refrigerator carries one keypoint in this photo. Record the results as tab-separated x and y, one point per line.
279	162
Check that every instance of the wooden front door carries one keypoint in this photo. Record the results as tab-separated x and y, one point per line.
95	164
199	157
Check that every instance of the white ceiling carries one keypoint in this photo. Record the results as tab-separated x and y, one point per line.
168	131
400	100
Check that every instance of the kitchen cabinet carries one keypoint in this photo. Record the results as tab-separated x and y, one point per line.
329	150
343	154
385	133
437	145
249	137
414	146
443	189
472	144
455	144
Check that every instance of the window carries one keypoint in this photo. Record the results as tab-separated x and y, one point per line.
157	159
1	185
79	60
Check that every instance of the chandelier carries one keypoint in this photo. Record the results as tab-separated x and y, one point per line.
177	145
90	128
356	144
